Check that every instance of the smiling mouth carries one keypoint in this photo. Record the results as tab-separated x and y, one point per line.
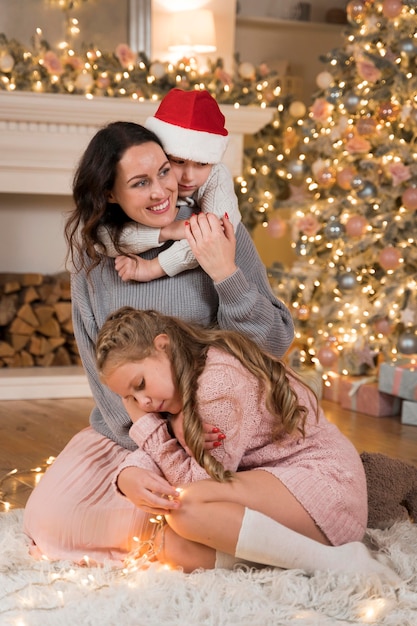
160	208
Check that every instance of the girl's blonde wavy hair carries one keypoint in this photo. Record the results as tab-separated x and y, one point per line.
128	335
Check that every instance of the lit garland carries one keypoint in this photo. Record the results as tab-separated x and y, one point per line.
125	73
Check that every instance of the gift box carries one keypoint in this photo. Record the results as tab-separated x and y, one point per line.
398	379
363	395
409	413
331	386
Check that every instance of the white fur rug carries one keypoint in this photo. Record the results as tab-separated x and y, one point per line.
40	593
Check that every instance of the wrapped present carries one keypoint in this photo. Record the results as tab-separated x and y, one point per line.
398	379
331	386
362	394
409	412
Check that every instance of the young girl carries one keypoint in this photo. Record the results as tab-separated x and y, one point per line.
191	128
171	376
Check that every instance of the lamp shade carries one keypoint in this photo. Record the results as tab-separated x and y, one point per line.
192	31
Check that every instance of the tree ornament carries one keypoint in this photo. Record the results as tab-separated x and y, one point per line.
277	227
334	94
367	192
391	8
351	102
347	281
408	46
327	356
388	112
366	126
409	199
303	312
356	226
355	11
389	258
326	177
297	109
157	69
324	80
407	342
357	182
344	177
84	81
297	168
6	63
334	230
247	70
383	326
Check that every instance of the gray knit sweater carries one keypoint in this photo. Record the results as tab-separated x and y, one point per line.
242	302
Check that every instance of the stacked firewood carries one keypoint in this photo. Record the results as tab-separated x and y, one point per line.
35	321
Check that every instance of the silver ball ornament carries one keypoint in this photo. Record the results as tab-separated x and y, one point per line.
334	230
347	281
407	342
334	94
357	182
367	192
351	102
297	168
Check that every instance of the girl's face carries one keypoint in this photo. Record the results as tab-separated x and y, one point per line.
189	174
146	187
150	381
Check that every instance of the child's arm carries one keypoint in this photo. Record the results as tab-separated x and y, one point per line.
218	196
134	239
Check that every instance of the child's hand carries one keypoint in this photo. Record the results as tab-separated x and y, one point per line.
136	268
147	490
133	409
173	232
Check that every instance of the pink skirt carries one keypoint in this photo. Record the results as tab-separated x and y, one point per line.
75	511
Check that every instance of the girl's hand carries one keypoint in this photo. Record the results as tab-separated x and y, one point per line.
147	490
133	409
213	244
213	437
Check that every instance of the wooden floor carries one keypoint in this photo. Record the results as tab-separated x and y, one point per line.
31	431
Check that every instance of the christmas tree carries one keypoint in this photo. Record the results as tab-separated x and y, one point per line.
351	167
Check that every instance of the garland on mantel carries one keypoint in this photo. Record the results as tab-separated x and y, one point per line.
128	74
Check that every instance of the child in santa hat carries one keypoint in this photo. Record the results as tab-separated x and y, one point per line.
191	128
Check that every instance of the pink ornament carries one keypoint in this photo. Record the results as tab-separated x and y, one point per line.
409	198
392	8
383	326
389	258
327	356
344	177
277	227
356	226
326	177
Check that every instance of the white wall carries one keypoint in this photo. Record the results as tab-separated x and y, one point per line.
31	233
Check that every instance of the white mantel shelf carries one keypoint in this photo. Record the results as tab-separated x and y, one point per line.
42	137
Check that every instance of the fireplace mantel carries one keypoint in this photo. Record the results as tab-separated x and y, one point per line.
42	137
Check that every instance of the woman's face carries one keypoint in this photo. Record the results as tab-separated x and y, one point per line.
146	187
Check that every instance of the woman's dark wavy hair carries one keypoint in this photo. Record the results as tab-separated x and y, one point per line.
128	335
94	179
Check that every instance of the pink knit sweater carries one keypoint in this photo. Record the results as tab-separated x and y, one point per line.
323	470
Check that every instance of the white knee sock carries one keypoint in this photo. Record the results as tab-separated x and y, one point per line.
263	540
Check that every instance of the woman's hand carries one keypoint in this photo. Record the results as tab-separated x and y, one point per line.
213	244
147	490
213	437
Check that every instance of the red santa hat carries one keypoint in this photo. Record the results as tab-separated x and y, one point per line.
190	126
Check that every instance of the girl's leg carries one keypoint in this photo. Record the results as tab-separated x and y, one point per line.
220	515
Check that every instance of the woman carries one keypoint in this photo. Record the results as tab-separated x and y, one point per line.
124	175
173	375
